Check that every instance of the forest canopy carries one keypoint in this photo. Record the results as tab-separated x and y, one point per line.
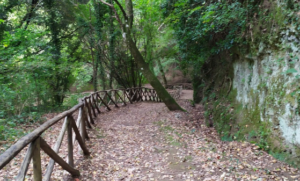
52	50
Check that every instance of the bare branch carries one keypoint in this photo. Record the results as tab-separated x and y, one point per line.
116	14
70	34
122	9
129	9
110	5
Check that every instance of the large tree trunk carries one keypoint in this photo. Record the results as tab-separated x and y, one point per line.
162	72
95	61
111	47
139	59
99	58
95	66
102	71
144	67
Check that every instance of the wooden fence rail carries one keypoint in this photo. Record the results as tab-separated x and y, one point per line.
88	109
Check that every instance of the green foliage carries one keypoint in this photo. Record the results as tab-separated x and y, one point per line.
50	48
284	156
213	33
206	29
209	29
37	58
167	65
73	98
290	71
11	129
83	76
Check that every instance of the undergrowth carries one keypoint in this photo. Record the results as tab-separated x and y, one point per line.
227	120
14	127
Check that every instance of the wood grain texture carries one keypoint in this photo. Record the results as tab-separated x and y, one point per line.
10	153
48	150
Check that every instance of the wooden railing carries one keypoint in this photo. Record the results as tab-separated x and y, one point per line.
87	110
187	86
176	92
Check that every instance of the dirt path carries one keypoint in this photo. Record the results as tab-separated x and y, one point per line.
185	94
145	141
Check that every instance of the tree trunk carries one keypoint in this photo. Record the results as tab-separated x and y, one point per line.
162	72
102	74
139	59
95	62
132	64
95	76
99	25
144	67
111	47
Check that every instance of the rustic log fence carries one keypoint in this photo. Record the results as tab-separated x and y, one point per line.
176	92
186	86
76	129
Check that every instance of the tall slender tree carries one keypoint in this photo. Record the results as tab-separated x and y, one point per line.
100	11
126	25
111	45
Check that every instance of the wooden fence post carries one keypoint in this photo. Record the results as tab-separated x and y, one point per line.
81	130
91	106
70	143
56	150
124	94
86	117
102	101
88	111
85	120
142	94
78	136
95	103
152	95
147	94
128	96
48	150
25	163
110	97
124	102
36	159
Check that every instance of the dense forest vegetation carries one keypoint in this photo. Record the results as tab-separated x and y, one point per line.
51	51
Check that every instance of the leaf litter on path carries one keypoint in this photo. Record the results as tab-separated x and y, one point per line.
145	141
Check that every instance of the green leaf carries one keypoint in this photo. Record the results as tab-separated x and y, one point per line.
293	93
290	71
195	9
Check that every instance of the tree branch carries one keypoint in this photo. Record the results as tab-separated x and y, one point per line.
29	14
113	8
71	33
122	9
129	8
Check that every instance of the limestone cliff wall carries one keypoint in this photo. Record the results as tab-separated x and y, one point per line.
268	83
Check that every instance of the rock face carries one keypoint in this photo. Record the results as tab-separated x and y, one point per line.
267	84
